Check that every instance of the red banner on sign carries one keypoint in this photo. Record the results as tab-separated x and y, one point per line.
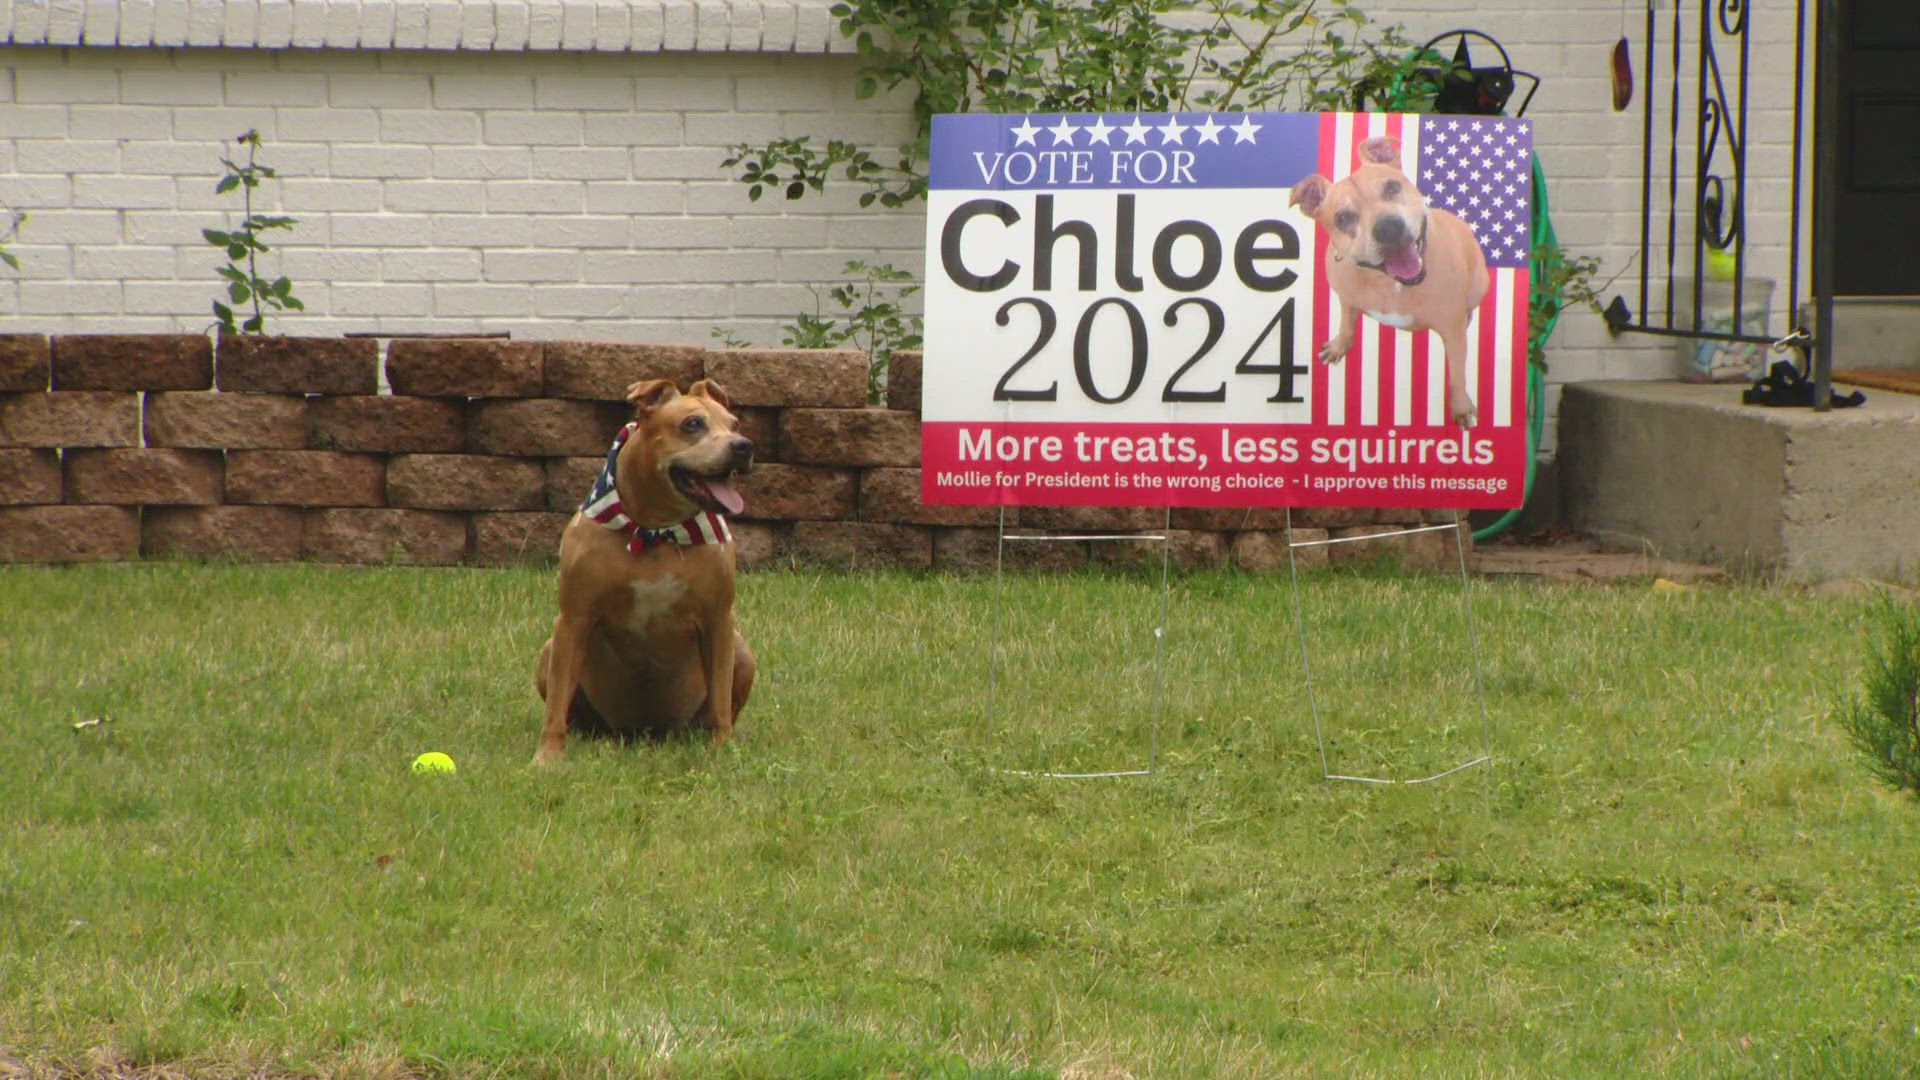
1046	464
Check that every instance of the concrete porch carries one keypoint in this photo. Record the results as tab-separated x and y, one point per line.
1690	472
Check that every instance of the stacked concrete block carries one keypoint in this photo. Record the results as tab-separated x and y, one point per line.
544	427
72	418
141	476
221	420
441	484
466	368
29	476
228	532
26	362
39	520
480	449
298	365
132	362
603	370
791	378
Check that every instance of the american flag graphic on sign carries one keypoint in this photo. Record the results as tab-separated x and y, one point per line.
1480	170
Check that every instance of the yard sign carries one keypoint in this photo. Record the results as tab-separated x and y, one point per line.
1123	310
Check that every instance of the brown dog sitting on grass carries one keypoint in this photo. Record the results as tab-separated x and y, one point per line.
645	643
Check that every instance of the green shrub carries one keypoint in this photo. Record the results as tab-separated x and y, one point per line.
1884	723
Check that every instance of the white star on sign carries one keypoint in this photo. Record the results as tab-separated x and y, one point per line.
1025	133
1243	131
1171	131
1210	132
1136	132
1098	131
1062	132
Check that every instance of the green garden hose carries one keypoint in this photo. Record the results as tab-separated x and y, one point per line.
1399	97
1543	235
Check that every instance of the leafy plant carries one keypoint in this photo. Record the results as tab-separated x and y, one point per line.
808	169
1884	722
243	247
871	316
15	219
1013	56
728	339
1564	280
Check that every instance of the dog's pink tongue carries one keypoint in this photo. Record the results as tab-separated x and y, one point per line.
724	494
1405	263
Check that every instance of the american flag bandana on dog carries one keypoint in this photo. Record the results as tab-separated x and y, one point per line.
603	505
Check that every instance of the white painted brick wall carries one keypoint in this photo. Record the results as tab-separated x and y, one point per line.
548	195
473	25
455	170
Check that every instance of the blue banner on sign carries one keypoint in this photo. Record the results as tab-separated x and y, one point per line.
1092	151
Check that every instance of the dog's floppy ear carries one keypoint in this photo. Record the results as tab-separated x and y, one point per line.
1308	194
710	390
1381	150
650	394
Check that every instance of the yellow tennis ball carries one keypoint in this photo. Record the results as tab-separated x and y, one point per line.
433	761
1720	264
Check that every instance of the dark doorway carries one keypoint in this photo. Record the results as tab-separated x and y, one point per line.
1876	119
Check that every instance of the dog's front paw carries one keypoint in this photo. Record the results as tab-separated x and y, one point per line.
548	754
1460	407
1335	349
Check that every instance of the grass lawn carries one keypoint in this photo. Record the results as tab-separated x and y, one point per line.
1678	868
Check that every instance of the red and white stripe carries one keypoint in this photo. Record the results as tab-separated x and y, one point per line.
702	528
1397	378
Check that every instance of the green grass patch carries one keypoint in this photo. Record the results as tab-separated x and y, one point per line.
1675	866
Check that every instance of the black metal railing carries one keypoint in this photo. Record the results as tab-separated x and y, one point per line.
1715	205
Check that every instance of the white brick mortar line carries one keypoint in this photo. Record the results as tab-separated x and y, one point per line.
641	26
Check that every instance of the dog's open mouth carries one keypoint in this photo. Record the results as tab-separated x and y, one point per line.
1406	265
715	494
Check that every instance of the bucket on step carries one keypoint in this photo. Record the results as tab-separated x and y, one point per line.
1710	361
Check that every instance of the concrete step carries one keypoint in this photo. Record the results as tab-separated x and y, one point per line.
1686	471
1876	332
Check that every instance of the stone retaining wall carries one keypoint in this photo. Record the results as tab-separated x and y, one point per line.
116	447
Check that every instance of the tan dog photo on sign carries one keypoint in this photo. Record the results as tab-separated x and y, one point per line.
1392	257
645	643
